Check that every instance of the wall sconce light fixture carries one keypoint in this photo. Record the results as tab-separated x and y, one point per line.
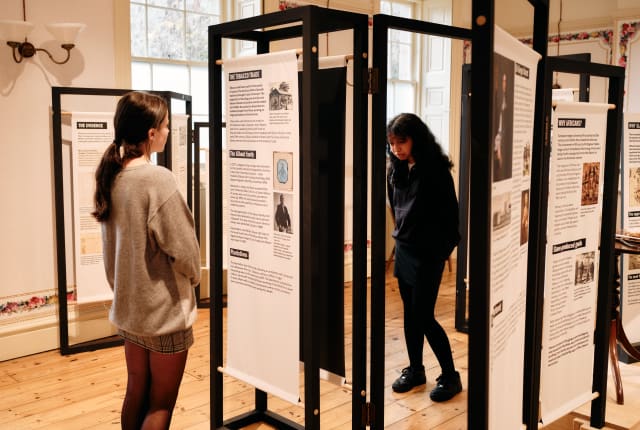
16	32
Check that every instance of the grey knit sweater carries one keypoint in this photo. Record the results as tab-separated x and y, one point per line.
151	254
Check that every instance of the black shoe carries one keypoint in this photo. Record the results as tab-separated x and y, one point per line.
410	378
446	387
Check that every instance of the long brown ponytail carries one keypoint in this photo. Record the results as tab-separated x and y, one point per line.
136	113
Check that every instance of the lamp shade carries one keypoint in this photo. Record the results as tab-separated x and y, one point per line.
65	32
14	31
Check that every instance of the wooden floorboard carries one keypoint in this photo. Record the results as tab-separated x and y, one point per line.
85	390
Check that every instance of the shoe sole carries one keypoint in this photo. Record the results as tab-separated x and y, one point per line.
409	389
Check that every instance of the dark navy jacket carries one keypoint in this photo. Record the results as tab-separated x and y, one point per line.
425	207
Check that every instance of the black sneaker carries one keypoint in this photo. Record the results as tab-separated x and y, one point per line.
447	386
408	379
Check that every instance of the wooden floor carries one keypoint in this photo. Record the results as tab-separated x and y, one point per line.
85	390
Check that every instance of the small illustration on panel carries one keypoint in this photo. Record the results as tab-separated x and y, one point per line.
283	171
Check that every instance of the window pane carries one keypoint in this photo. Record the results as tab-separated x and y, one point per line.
138	31
170	77
206	6
199	90
393	64
197	33
141	76
391	111
404	61
402	10
173	4
400	36
166	34
404	97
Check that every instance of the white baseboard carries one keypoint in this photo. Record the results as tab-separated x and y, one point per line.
31	334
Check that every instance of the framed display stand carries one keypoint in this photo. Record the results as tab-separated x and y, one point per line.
307	22
64	193
382	24
462	280
538	233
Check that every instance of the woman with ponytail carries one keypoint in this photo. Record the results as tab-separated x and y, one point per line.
151	259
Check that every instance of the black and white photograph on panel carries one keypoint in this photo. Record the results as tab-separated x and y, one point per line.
590	183
283	204
524	217
502	127
501	207
634	186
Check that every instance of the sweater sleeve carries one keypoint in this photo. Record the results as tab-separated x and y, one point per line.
173	228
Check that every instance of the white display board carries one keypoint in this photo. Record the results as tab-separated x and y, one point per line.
574	213
91	134
515	67
179	152
630	177
263	279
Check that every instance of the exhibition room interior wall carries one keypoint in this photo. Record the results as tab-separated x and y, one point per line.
101	60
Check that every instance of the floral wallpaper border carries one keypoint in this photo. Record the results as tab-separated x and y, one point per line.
604	34
28	304
627	32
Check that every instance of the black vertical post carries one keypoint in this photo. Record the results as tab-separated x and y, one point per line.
215	232
309	174
378	219
359	281
464	168
538	222
192	187
479	239
60	232
607	257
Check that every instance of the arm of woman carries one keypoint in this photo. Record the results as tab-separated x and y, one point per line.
174	231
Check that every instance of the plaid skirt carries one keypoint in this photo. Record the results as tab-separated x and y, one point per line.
171	343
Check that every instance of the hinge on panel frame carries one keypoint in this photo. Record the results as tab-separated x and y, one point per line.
368	414
372	80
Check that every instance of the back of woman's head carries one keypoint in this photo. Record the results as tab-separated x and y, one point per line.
136	113
425	148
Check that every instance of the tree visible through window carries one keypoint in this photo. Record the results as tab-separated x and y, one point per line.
169	44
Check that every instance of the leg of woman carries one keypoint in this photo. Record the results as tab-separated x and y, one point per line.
430	279
413	333
166	375
136	400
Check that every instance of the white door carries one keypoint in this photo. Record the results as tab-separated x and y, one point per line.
436	73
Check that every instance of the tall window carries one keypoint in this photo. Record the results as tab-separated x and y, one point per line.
419	66
402	69
169	45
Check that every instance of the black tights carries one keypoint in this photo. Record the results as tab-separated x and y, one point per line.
152	387
419	319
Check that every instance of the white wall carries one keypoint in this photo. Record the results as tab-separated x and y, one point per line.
27	225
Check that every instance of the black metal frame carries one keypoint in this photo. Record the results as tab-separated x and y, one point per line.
196	191
480	196
381	26
537	247
306	22
464	170
58	177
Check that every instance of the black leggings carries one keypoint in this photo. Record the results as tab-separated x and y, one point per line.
419	318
